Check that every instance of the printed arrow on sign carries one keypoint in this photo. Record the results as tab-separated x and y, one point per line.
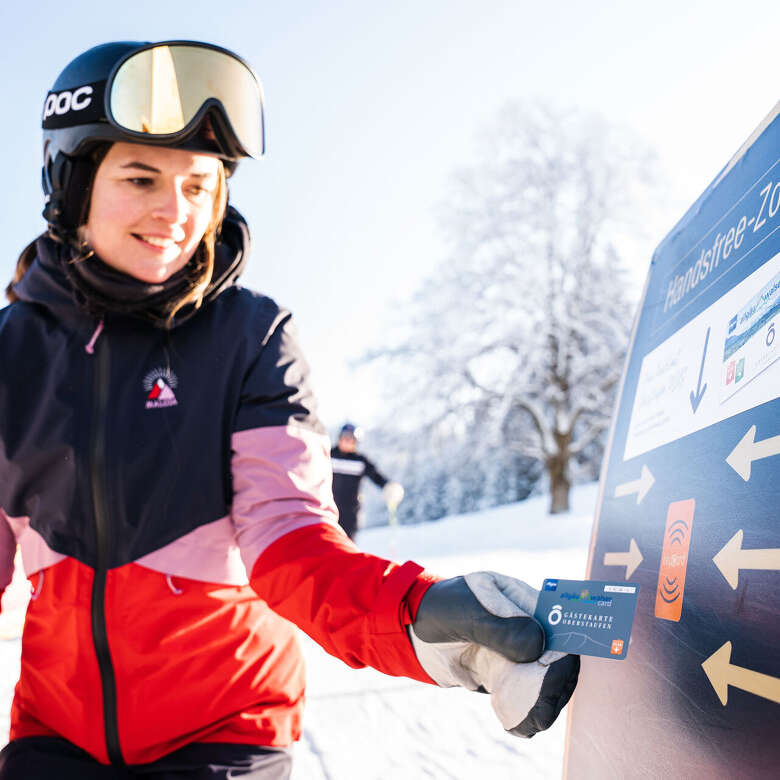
732	558
630	559
748	450
722	673
639	486
699	394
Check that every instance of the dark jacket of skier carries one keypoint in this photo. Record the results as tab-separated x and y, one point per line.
349	468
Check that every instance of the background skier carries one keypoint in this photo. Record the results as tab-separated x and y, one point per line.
349	468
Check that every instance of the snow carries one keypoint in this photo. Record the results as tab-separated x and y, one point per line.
362	724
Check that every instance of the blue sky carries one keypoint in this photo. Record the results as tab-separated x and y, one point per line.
370	108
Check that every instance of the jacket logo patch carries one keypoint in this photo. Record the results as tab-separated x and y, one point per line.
159	385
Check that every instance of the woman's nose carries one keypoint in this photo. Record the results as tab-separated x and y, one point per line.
171	206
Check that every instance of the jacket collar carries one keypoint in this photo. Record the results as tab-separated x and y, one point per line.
72	296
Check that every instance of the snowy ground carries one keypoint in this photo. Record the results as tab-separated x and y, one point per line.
362	724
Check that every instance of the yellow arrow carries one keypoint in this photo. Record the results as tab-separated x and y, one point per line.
732	558
748	450
630	559
722	673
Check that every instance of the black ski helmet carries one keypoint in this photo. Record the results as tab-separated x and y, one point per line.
211	100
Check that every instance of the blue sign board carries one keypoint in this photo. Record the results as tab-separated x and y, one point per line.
690	501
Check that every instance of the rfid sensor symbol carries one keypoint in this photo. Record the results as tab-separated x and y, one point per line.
674	560
677	534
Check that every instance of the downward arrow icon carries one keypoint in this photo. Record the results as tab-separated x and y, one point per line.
699	394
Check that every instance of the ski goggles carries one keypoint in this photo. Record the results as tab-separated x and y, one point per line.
160	93
163	91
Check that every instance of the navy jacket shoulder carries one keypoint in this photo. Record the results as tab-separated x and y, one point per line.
150	414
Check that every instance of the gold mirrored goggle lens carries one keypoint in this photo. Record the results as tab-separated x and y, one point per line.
160	90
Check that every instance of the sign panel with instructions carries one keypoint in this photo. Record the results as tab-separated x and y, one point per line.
689	505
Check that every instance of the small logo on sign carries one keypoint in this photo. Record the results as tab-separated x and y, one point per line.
159	385
617	647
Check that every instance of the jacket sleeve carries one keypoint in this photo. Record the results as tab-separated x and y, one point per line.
355	605
373	473
7	553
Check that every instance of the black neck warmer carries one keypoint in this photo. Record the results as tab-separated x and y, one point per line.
99	289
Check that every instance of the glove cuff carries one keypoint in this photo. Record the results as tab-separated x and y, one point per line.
441	661
517	691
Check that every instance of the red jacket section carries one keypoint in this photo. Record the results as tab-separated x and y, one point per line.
203	662
193	661
354	605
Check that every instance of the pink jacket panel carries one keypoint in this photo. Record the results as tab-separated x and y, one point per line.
282	481
36	554
208	554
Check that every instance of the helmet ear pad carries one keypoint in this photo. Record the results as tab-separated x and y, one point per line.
68	183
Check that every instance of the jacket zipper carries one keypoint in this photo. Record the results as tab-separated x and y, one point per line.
103	545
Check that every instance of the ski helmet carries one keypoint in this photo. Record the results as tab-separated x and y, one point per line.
180	94
350	429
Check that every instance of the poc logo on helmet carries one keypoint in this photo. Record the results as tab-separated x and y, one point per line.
62	102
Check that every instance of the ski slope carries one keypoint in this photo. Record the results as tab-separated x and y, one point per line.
364	725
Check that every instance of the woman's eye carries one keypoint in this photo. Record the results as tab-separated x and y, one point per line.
197	191
141	181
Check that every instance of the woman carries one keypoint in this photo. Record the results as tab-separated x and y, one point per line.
165	474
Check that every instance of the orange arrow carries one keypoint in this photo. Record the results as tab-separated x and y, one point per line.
722	673
732	558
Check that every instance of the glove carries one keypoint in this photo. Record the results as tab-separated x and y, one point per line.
477	632
394	494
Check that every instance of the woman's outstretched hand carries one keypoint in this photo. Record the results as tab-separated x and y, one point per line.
478	632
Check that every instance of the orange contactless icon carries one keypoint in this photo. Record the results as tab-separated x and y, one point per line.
674	560
617	647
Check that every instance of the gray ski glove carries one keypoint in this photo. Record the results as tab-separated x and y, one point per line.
477	632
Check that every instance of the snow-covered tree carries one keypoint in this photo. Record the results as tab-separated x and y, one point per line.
516	344
445	477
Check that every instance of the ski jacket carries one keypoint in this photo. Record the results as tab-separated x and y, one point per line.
171	494
348	469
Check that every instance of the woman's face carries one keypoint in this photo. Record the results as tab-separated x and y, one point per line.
150	208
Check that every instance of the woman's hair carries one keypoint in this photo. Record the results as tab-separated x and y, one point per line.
204	254
202	260
22	264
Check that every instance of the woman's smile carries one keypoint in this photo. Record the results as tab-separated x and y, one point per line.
156	242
